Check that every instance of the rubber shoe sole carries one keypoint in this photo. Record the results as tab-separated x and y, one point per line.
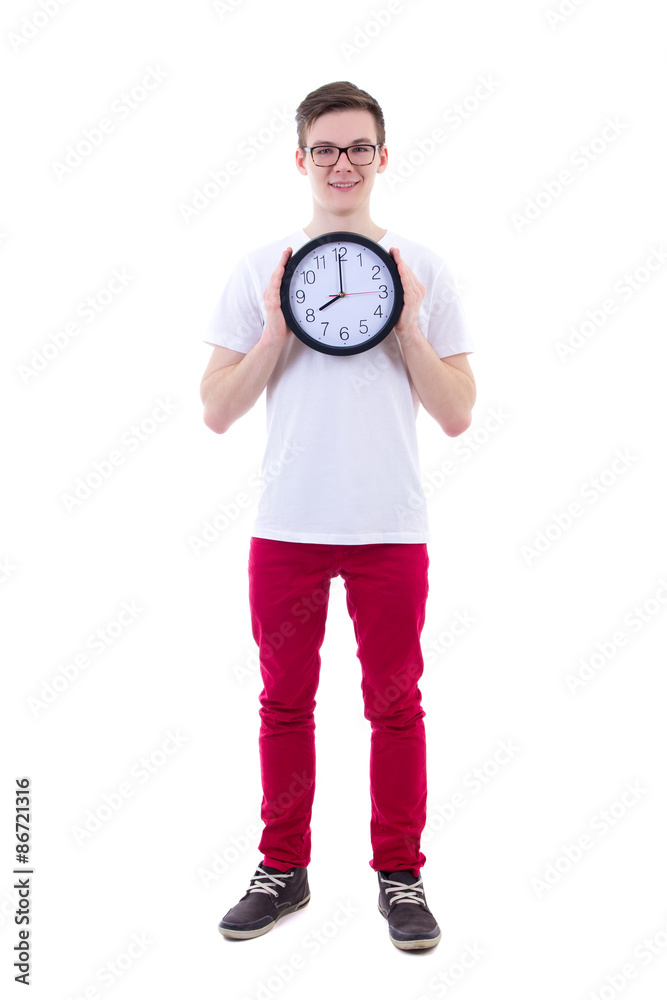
416	944
231	932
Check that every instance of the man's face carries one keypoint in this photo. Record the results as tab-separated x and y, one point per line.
344	187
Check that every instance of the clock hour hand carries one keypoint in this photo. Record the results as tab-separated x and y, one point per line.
330	302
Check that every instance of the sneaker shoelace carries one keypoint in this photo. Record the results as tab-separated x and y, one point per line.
261	881
404	893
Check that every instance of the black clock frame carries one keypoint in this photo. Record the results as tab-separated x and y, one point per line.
347	237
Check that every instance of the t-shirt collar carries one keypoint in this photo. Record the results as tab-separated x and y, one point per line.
385	241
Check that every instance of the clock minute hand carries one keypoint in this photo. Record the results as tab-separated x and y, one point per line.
341	293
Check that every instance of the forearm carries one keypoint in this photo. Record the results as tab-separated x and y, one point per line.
444	391
230	392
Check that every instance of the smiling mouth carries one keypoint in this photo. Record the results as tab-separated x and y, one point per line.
345	186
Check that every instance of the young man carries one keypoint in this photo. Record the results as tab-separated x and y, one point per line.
347	500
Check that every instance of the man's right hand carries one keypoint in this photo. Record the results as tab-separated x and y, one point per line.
230	387
276	329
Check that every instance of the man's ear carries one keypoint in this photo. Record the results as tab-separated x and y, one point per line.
300	165
384	158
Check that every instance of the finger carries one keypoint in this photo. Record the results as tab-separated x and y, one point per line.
284	257
406	272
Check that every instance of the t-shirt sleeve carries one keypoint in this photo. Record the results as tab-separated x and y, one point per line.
236	321
447	329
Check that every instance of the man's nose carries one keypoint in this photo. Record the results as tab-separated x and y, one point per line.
340	160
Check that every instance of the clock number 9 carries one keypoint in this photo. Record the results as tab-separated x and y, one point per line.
300	296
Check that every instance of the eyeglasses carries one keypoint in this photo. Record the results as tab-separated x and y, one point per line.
328	156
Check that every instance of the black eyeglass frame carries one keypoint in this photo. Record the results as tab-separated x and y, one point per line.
342	149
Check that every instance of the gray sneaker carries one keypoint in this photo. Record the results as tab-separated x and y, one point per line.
402	902
270	895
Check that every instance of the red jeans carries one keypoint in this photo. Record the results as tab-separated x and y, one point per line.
387	587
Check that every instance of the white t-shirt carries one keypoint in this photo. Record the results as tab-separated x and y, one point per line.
341	464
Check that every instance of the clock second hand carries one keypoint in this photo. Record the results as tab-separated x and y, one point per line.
337	295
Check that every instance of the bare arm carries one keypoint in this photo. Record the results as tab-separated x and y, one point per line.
445	386
233	381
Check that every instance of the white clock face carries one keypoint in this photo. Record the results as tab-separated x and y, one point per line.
342	294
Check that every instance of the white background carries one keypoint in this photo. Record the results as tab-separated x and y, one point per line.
185	663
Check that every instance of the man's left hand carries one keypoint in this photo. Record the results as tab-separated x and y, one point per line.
413	295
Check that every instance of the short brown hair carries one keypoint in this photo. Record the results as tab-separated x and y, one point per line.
337	96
